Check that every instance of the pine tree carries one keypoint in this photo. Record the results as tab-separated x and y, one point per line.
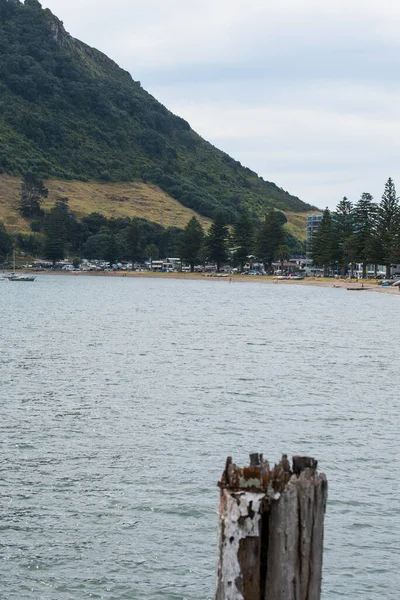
388	224
324	249
5	242
343	222
364	240
270	237
191	242
32	192
217	241
243	238
133	241
56	230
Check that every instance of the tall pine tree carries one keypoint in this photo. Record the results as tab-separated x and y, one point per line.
243	238
343	222
32	192
270	237
388	224
191	242
56	230
324	249
364	231
217	241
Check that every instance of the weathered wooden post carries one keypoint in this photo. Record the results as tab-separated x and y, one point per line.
271	524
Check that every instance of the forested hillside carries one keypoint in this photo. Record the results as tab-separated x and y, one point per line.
69	112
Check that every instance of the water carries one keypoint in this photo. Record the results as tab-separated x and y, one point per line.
121	399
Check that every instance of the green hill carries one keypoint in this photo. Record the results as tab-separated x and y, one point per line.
70	113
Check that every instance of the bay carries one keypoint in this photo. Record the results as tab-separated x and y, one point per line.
122	397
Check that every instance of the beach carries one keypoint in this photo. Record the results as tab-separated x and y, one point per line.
347	284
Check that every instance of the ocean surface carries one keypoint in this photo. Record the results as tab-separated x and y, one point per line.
121	399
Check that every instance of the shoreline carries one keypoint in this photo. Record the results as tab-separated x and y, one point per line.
266	279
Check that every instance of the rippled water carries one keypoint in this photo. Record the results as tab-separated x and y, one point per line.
121	398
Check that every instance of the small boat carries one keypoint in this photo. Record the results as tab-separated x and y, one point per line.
21	278
14	277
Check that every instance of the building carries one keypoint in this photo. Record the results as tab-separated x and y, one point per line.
313	222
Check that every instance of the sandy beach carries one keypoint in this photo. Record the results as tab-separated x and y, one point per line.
367	285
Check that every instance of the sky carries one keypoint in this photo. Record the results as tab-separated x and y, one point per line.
304	92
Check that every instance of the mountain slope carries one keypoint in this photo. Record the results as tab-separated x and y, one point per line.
69	112
123	199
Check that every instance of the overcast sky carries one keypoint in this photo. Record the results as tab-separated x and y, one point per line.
304	92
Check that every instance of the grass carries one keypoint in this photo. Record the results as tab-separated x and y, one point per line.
127	199
111	199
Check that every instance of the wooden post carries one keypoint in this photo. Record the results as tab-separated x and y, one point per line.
271	524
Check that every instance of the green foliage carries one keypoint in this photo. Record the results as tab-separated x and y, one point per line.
388	225
217	241
324	243
66	110
32	191
243	239
30	244
343	224
134	241
5	242
270	237
57	230
192	239
152	252
364	230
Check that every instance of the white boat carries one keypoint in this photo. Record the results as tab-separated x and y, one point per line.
14	277
21	278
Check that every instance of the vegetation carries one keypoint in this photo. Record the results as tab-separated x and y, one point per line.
192	239
217	241
69	112
366	232
58	233
5	242
32	192
271	239
243	239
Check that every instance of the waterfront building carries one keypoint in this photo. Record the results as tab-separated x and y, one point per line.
313	222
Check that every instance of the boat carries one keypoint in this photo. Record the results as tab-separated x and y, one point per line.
14	277
21	278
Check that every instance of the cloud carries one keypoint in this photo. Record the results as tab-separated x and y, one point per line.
302	91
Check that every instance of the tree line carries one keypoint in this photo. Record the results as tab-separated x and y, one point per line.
57	233
364	232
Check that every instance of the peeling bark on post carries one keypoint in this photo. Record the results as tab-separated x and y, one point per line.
271	530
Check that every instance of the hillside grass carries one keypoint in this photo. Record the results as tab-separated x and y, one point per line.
142	200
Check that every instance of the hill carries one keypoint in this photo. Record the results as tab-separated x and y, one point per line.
68	112
126	199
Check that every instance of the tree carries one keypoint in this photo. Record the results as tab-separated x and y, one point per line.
100	246
343	223
133	241
152	252
324	244
5	242
364	229
56	230
191	242
217	240
388	224
32	192
282	254
243	238
270	237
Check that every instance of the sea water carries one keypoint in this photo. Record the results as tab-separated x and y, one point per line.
122	397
